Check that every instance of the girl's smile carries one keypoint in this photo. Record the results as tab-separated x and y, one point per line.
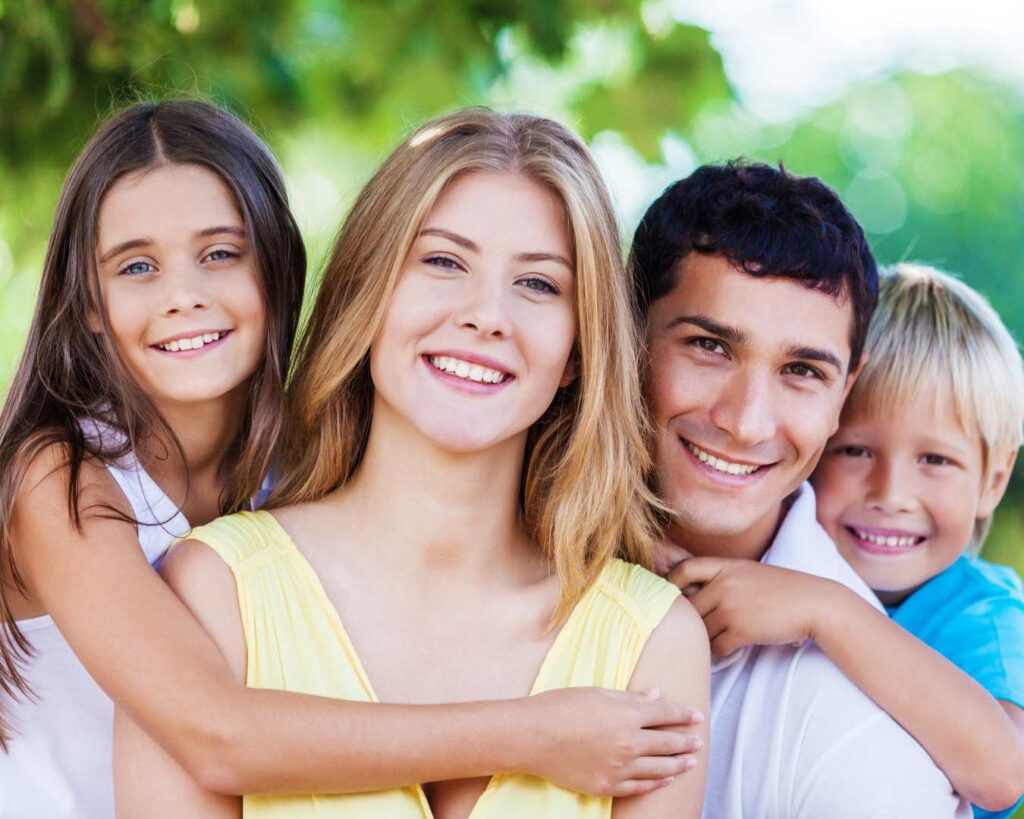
180	284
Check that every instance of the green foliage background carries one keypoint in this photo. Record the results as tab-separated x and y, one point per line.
933	165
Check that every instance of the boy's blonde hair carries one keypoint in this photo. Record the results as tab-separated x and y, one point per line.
584	493
934	335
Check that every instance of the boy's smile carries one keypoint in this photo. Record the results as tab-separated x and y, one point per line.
900	494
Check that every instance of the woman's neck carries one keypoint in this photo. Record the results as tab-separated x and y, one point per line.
436	511
205	431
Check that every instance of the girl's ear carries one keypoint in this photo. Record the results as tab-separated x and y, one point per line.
995	484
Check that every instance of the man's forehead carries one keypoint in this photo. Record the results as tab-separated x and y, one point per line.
782	310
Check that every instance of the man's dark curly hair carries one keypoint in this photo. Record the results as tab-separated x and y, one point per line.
767	222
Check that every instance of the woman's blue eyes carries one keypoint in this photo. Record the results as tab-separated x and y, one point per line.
539	285
533	283
443	261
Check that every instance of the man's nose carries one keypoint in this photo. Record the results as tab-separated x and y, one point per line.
745	408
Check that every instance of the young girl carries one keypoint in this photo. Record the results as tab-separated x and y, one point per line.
906	489
149	397
467	459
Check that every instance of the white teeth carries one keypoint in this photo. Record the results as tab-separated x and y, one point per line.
891	541
720	465
194	343
463	369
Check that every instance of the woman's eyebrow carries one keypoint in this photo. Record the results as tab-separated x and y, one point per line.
469	244
545	257
461	241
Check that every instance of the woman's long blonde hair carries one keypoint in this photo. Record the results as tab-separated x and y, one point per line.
584	492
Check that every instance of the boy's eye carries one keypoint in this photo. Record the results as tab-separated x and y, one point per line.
136	269
539	285
708	345
801	370
931	459
852	451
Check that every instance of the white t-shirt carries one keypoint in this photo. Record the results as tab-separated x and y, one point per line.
793	738
60	761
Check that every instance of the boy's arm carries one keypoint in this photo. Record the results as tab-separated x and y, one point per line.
150	655
970	736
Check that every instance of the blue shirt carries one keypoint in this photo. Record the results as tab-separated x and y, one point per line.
973	615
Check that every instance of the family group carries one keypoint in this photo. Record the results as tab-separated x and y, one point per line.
510	521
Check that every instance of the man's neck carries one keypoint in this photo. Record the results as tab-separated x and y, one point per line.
749	544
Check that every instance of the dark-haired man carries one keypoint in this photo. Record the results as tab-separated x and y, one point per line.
757	287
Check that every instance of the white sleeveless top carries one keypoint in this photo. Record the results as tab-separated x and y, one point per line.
60	760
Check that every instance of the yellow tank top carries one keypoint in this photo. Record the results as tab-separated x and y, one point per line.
296	642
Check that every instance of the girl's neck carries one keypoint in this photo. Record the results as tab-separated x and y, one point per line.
432	510
205	431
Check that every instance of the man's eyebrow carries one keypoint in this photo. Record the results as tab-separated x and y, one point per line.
816	354
233	230
723	331
461	241
131	244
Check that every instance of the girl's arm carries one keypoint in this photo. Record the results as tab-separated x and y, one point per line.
968	733
676	658
151	657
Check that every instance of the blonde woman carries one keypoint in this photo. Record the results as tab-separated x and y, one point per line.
466	460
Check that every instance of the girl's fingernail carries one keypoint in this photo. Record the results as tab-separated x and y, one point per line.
690	763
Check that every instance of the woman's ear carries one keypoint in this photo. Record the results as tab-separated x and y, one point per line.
995	484
571	372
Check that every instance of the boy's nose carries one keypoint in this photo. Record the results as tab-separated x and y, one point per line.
889	488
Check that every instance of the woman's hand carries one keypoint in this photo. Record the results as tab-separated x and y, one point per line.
746	603
608	743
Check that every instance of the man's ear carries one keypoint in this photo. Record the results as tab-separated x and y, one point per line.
995	484
851	379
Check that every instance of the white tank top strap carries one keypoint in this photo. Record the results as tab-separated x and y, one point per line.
160	522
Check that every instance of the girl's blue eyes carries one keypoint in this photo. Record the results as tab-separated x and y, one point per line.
142	268
136	269
532	283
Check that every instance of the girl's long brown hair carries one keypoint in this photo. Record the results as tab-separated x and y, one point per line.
68	372
584	496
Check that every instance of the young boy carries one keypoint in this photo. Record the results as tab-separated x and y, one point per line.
906	488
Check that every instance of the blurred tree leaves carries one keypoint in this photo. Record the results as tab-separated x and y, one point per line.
376	65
